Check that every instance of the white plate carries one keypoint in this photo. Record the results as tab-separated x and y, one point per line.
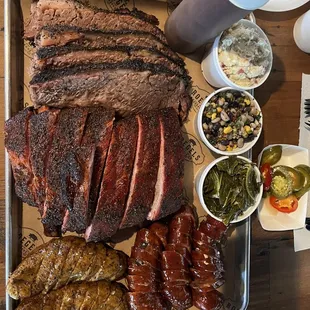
283	5
269	217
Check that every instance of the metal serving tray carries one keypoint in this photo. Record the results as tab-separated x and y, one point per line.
237	248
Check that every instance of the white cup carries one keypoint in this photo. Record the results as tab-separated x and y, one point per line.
302	32
211	68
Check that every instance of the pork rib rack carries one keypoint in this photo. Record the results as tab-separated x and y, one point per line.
87	56
89	174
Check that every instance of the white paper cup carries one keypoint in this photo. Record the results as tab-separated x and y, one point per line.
199	129
199	189
211	68
302	32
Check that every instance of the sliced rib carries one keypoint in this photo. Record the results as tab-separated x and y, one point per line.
41	132
91	157
169	185
17	145
74	13
98	129
116	180
144	176
63	169
129	87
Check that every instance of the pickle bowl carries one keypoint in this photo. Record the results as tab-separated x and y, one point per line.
199	186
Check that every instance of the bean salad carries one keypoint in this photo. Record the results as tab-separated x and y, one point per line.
231	119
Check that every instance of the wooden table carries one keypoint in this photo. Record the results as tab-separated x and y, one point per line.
279	277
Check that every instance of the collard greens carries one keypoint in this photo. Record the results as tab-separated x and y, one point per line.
230	188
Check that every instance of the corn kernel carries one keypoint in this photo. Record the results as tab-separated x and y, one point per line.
213	116
247	101
213	104
235	146
219	109
229	148
227	129
209	115
247	129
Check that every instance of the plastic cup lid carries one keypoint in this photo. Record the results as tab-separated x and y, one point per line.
249	5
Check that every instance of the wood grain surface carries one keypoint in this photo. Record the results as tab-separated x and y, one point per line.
280	278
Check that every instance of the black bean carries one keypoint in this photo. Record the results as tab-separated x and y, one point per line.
225	142
249	138
216	126
206	120
230	115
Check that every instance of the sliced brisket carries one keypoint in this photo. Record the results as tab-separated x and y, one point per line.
67	56
144	176
116	180
91	158
74	13
17	145
63	171
68	35
169	185
128	87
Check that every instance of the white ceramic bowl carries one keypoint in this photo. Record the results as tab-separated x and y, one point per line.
269	217
238	151
211	68
199	189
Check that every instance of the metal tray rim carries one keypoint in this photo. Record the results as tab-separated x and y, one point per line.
9	242
8	173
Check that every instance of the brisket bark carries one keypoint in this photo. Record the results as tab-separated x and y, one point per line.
73	36
127	87
74	13
17	145
169	185
73	55
63	171
144	176
115	182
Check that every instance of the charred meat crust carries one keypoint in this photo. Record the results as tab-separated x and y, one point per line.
169	186
47	52
124	11
83	57
115	182
145	170
98	128
54	30
17	144
119	19
63	171
82	33
135	65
